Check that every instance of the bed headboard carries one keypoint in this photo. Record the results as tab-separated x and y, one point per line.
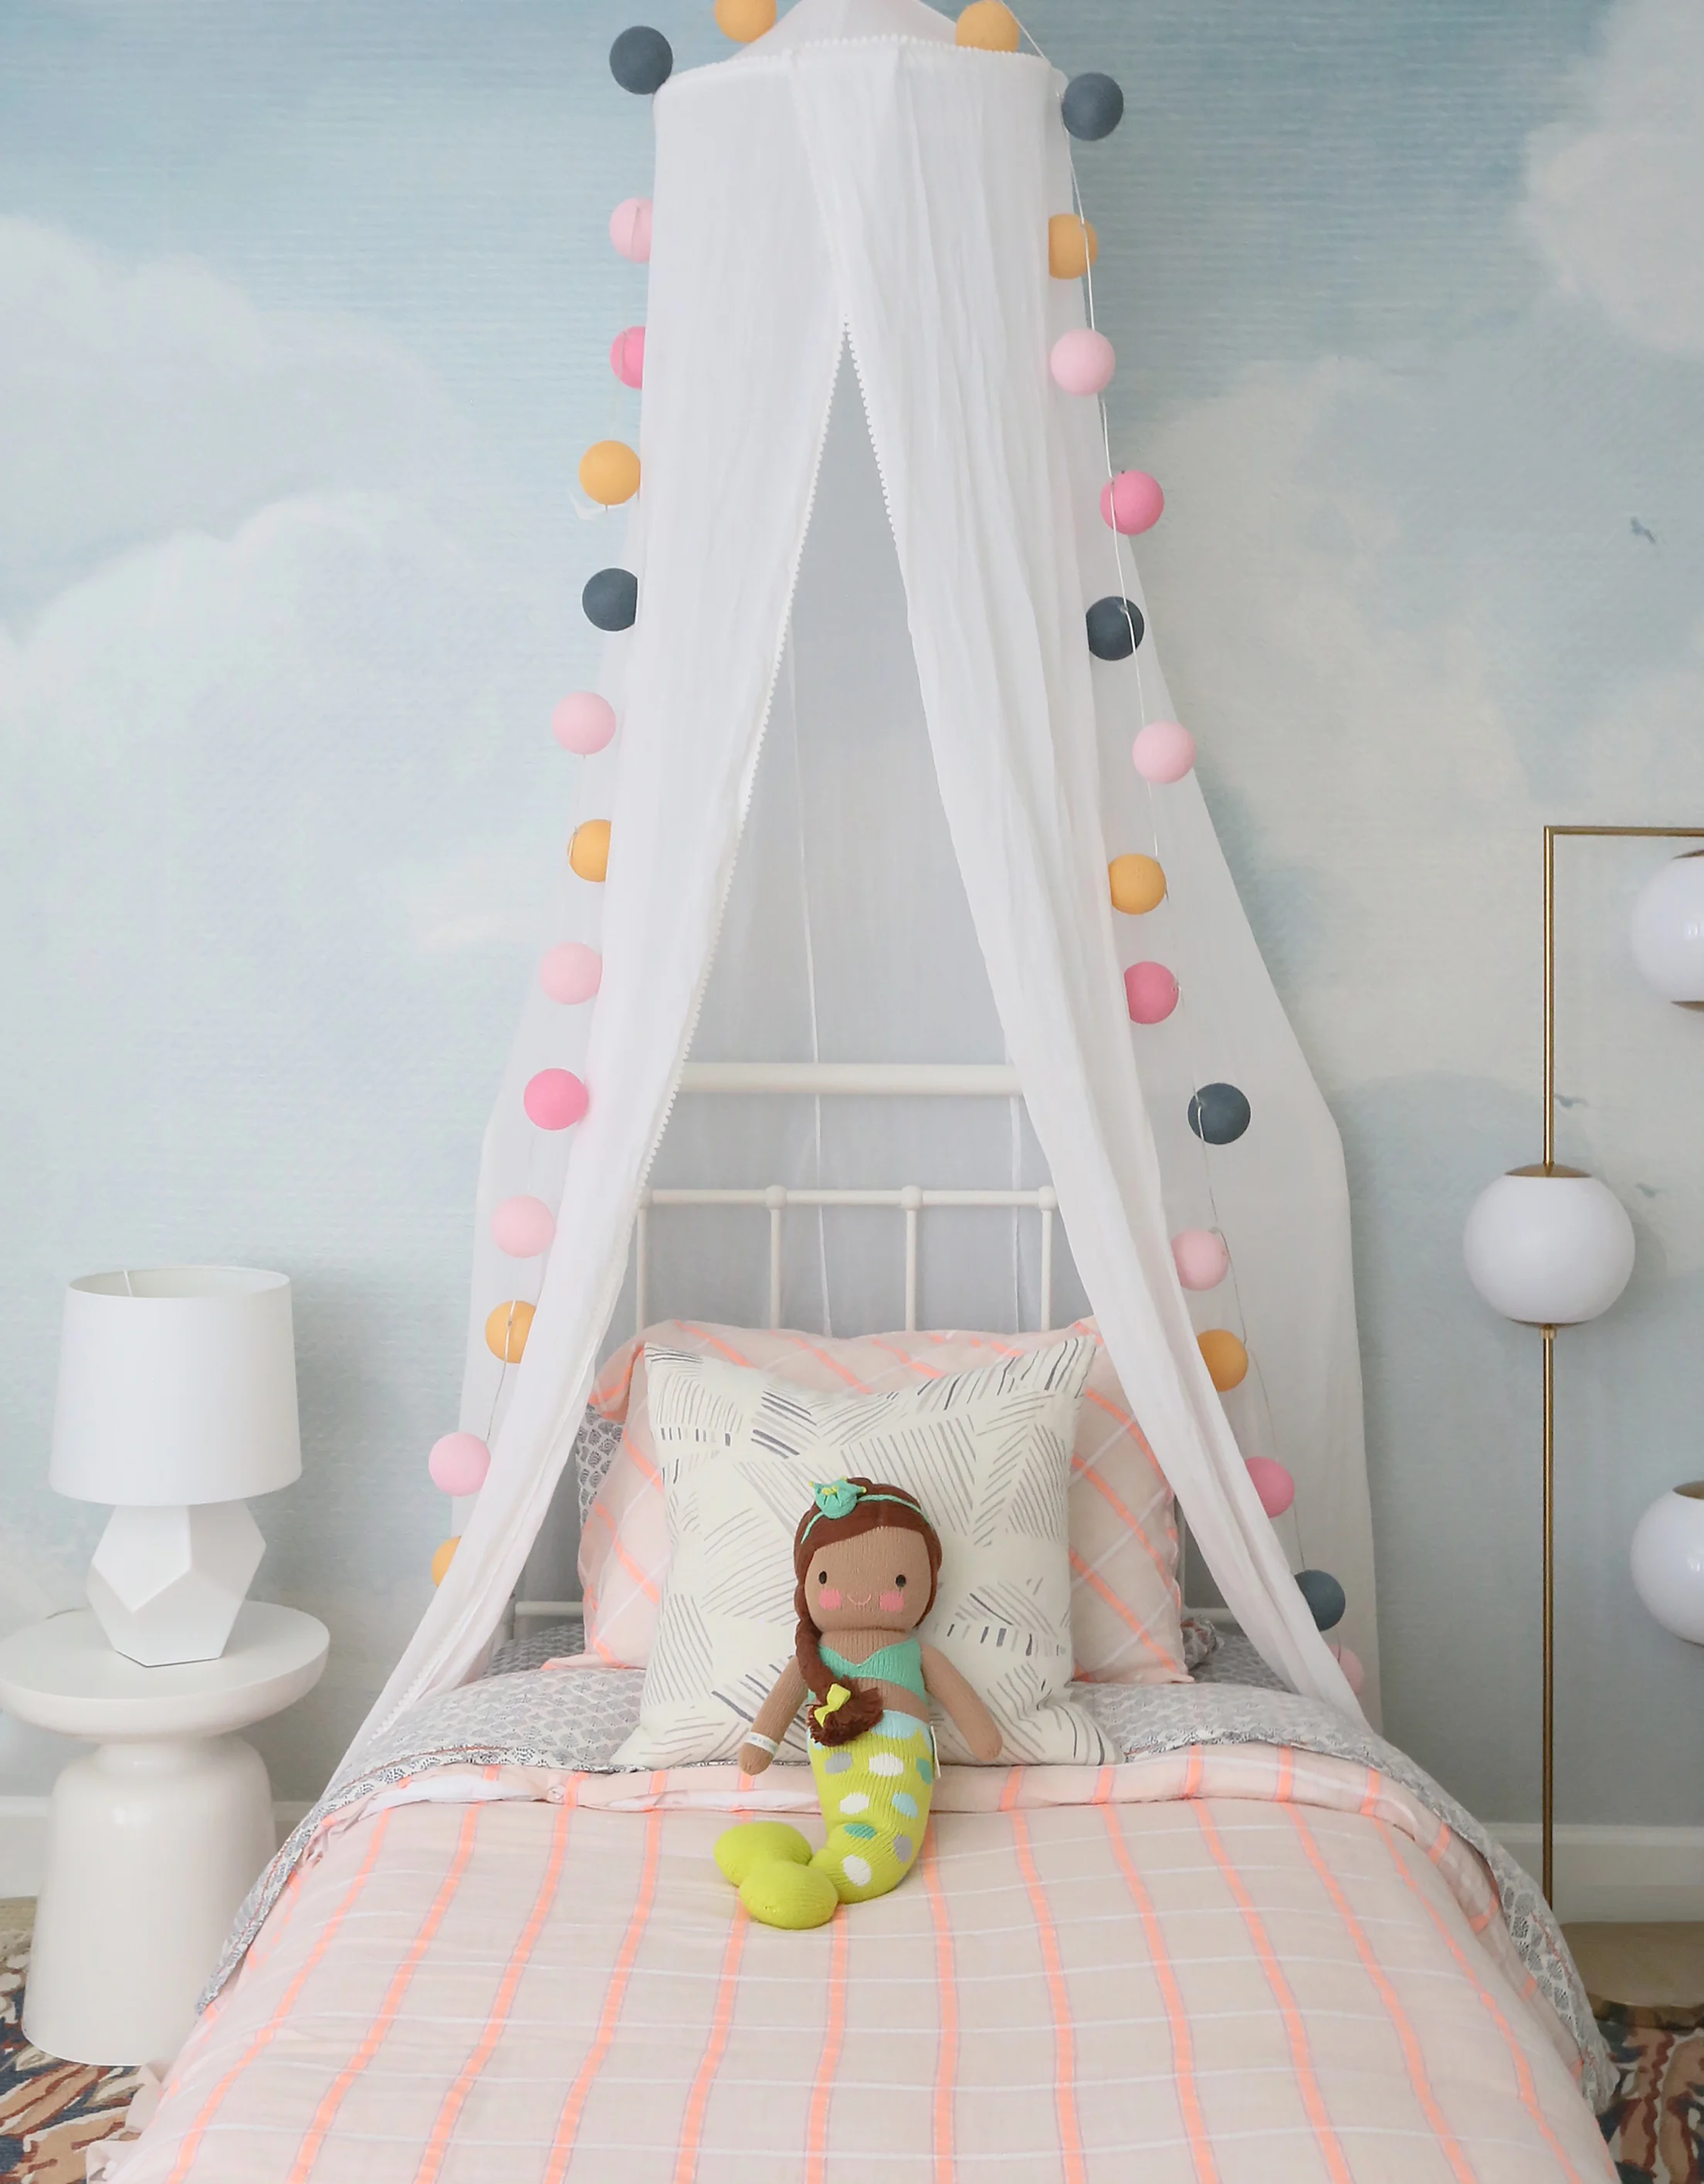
550	1567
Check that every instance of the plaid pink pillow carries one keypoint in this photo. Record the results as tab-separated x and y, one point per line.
1125	1608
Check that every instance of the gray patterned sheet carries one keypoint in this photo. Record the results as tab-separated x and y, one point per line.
516	1717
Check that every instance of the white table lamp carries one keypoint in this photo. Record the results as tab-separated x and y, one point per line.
177	1400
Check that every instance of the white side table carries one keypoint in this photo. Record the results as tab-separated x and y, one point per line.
155	1838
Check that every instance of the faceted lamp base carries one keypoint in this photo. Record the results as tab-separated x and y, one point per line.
165	1585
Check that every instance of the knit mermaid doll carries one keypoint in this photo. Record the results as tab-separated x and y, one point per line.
866	1561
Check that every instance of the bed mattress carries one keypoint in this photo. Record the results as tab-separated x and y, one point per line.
1228	1957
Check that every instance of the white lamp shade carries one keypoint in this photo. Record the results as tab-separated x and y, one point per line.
177	1385
1667	1558
1549	1249
1668	929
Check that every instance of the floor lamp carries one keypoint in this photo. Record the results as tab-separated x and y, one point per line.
1551	1246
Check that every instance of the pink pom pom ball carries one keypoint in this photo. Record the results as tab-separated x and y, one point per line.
1081	361
1354	1674
1131	502
583	722
555	1100
627	357
630	229
1200	1257
1272	1483
570	973
1163	751
522	1227
459	1463
1152	993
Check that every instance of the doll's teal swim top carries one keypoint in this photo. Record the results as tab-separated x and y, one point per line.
901	1662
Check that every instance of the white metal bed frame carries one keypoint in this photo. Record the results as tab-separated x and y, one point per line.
888	1080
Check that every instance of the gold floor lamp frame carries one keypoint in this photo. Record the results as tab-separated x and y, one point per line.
1548	1335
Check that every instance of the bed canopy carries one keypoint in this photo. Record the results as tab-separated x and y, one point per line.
869	545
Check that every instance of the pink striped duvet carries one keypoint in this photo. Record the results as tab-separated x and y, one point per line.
1244	1963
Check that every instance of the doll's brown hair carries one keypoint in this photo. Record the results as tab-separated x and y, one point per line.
877	1506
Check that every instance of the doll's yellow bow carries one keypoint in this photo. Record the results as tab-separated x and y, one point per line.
837	1696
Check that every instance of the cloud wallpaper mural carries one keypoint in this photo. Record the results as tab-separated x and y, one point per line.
306	314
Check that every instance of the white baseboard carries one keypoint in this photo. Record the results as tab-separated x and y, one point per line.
24	1838
1620	1876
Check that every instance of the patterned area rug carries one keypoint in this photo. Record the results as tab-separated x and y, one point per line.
1655	2129
51	2113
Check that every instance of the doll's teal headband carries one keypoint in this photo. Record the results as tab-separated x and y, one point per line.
840	1497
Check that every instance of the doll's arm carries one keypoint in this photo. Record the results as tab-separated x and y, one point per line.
969	1716
774	1717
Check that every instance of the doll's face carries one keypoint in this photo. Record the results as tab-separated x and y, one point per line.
878	1581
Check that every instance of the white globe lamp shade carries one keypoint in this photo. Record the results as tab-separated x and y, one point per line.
1668	930
1667	1559
1549	1249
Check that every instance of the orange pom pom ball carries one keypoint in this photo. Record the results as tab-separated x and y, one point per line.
990	26
588	849
1073	246
1139	883
443	1559
743	20
609	473
507	1328
1227	1361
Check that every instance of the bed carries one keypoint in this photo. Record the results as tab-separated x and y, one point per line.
1263	1945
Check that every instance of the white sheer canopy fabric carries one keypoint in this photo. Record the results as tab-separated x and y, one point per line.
855	181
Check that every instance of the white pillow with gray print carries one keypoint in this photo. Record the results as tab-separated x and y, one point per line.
988	1455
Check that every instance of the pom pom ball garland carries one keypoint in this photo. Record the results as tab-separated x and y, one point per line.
1163	752
1353	1673
1219	1114
627	356
459	1463
609	473
522	1228
583	722
1272	1483
1325	1598
443	1559
506	1329
1073	246
743	20
588	849
990	26
571	972
1201	1257
630	229
1150	993
611	599
555	1100
1093	106
1114	627
1226	1360
1131	502
641	59
1082	361
1138	883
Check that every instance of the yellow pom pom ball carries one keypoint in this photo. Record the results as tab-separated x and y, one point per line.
1073	246
990	26
507	1328
443	1559
588	849
609	473
1227	1361
1139	883
743	20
